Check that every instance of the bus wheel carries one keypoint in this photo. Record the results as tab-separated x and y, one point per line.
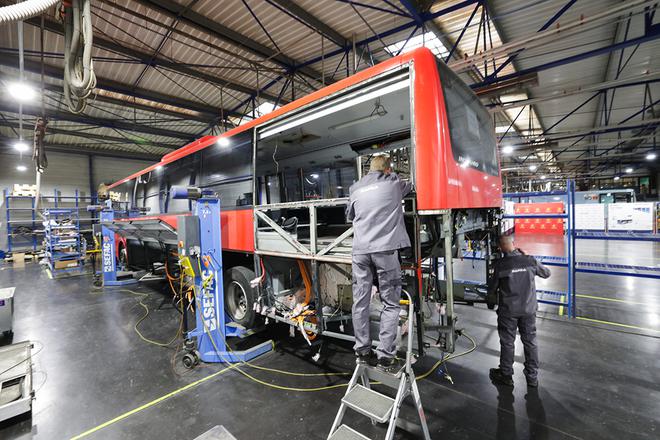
240	296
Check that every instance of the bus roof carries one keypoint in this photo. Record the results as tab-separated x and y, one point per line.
345	83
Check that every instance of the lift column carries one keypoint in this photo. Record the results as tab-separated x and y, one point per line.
200	240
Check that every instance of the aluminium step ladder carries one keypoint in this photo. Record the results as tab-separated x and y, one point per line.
378	407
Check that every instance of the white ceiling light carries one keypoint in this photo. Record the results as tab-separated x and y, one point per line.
223	141
617	177
502	129
629	170
542	177
533	168
21	146
20	91
651	156
21	168
507	149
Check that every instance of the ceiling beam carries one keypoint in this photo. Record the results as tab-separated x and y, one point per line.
77	149
318	25
101	97
88	135
101	122
125	89
209	26
154	61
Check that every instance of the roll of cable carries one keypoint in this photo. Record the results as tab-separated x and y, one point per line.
23	11
79	77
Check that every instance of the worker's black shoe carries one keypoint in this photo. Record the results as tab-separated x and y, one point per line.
366	358
390	365
498	378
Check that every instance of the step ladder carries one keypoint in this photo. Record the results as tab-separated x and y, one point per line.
378	407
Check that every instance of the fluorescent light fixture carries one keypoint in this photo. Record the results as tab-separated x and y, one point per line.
375	92
542	177
223	141
20	91
651	156
629	170
314	176
617	177
21	168
502	129
21	146
533	168
507	149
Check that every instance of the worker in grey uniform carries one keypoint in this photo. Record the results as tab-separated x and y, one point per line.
378	233
513	279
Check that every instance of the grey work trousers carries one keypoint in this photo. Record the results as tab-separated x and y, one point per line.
526	325
386	265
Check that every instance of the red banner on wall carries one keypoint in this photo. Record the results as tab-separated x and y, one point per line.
539	225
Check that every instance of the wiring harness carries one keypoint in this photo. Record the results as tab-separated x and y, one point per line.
79	77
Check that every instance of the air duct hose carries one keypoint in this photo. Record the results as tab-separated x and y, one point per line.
79	77
23	11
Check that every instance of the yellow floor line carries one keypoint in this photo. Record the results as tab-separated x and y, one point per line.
561	308
150	404
618	324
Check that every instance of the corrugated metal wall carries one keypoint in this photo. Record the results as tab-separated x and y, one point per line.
66	173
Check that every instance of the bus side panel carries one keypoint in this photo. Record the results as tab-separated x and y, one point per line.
237	230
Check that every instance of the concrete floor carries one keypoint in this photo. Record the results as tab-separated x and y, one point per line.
595	382
631	301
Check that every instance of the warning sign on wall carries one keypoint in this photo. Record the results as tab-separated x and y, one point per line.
539	225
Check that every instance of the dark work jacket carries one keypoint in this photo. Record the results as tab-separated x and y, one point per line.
514	279
376	212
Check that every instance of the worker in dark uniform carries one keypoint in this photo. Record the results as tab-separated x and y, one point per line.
513	279
378	234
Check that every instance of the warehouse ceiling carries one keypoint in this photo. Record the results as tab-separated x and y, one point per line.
573	84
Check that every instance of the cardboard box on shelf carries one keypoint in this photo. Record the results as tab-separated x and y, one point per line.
65	264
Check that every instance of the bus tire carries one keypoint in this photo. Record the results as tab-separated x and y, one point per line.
240	296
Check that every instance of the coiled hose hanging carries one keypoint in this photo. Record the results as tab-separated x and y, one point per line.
79	77
23	11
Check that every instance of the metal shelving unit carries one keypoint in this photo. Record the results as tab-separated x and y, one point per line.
63	241
21	211
19	216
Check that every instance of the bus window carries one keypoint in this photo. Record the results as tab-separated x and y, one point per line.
470	125
227	170
312	155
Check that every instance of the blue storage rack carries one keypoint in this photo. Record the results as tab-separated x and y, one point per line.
63	242
16	216
17	239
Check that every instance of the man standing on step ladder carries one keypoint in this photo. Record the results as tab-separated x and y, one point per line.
513	278
378	234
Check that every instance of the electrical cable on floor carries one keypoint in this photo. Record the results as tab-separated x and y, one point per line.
295	389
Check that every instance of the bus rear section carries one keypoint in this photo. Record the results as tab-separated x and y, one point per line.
290	173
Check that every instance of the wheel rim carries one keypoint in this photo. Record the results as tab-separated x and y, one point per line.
237	301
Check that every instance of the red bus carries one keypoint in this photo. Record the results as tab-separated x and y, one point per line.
283	182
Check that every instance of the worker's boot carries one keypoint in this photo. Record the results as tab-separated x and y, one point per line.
390	365
498	378
365	358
